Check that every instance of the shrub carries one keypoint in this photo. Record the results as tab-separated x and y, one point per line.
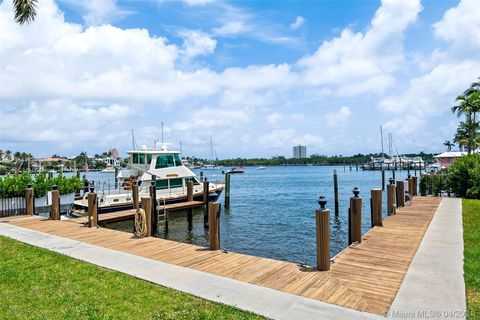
15	185
464	177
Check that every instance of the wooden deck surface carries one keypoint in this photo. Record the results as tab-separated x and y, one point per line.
130	213
364	277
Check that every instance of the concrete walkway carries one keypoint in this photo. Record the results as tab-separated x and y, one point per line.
434	282
434	286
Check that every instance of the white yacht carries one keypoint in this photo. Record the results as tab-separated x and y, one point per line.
163	166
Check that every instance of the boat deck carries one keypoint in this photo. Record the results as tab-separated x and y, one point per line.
364	277
123	215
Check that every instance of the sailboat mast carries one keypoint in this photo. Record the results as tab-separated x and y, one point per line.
162	132
381	137
211	148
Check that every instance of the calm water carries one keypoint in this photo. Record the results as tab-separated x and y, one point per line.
272	211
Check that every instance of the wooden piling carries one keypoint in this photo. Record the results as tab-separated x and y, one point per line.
92	209
29	196
410	186
335	190
383	179
214	225
154	215
415	192
55	207
400	194
135	195
206	188
322	218
376	207
391	198
190	210
116	178
147	207
355	218
227	190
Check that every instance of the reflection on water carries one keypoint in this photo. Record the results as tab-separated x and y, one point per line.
272	211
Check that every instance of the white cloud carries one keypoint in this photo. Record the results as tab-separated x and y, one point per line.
46	123
461	26
357	63
197	43
232	28
299	21
446	73
83	70
280	138
339	117
198	2
274	118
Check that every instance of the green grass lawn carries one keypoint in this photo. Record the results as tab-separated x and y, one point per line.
38	284
471	237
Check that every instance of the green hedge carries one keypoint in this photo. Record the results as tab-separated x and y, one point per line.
462	179
15	185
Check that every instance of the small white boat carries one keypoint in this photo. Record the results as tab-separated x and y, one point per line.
261	168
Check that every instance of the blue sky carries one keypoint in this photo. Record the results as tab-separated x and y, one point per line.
258	76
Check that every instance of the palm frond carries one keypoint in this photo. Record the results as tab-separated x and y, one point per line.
25	10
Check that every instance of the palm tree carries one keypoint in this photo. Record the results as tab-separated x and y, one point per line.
469	105
25	10
448	144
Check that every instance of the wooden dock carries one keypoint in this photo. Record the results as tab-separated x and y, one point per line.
364	277
104	218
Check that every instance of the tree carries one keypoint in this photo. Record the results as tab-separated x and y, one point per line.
448	144
25	10
468	105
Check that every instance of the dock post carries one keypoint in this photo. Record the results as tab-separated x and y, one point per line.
383	179
356	166
213	222
154	215
147	207
376	207
190	210
206	189
415	192
29	195
400	194
393	174
135	195
322	218
92	209
355	218
410	186
116	178
201	176
391	198
335	190
55	208
227	190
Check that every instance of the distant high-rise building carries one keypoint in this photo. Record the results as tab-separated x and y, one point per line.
300	151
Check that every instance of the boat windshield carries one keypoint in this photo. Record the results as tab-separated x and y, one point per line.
168	160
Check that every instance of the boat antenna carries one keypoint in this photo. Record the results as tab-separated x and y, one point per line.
162	132
134	143
181	147
381	137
